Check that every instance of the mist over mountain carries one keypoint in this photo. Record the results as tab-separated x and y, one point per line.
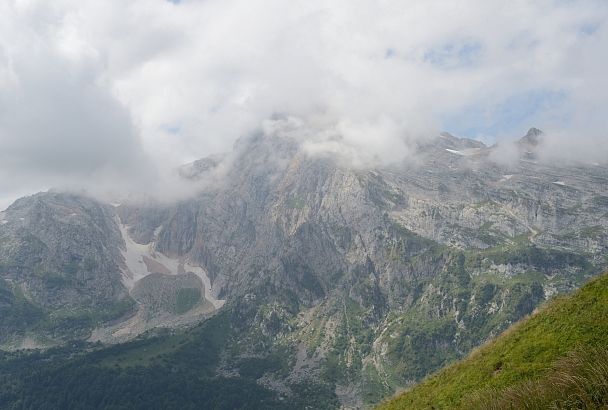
259	204
113	97
353	279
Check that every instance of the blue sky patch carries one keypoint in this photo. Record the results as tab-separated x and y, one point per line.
172	129
589	29
454	55
510	116
389	53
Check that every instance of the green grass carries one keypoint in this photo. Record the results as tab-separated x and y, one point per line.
525	352
577	381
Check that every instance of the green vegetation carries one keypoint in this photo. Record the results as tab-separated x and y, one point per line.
162	372
187	298
474	294
454	313
19	317
577	381
296	202
16	311
592	232
204	367
23	316
519	250
526	359
256	367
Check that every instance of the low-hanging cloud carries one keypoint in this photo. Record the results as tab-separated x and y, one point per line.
92	90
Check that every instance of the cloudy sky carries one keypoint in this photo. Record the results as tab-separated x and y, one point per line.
114	93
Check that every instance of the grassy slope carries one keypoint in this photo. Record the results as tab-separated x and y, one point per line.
525	351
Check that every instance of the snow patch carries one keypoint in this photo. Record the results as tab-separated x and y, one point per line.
209	294
157	231
133	254
142	259
465	153
560	183
506	177
453	151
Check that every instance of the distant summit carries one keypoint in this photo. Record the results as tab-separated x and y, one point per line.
529	143
532	137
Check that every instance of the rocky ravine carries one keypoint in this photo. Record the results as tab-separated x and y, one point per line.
362	280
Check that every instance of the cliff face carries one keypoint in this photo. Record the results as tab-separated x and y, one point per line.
369	279
278	209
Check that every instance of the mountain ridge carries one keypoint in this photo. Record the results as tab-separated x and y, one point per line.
364	279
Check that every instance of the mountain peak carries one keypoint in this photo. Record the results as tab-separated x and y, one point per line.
453	143
532	137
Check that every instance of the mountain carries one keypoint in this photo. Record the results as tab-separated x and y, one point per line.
313	278
532	138
557	358
59	268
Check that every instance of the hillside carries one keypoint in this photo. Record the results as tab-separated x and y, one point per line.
555	345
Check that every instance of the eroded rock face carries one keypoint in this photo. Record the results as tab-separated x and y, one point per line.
370	278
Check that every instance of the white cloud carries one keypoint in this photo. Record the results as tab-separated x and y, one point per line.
91	89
